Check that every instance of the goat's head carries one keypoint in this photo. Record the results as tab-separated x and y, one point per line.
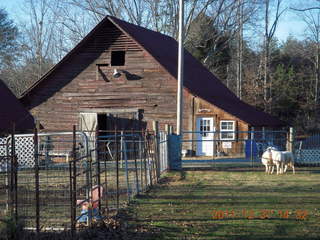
271	149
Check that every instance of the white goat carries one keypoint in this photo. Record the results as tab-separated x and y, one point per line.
273	157
267	161
282	160
288	161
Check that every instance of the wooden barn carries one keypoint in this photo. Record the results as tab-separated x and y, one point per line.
123	70
12	113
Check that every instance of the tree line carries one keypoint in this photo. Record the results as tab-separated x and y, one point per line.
235	39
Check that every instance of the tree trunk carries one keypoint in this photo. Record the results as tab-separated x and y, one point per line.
240	49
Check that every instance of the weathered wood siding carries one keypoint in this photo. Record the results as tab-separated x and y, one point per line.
204	109
85	82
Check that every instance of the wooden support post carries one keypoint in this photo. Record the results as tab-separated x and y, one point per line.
166	128
290	140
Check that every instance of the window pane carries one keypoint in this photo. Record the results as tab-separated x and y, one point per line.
227	125
226	135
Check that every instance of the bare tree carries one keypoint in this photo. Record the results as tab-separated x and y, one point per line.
311	16
270	29
315	5
38	34
240	48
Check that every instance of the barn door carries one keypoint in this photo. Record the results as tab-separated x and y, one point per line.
88	124
205	143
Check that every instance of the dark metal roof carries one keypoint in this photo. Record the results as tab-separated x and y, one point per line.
197	79
12	111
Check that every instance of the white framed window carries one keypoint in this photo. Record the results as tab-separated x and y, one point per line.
205	127
227	130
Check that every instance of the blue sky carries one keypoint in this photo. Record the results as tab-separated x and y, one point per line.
290	24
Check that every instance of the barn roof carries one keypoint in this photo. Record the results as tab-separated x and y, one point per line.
197	79
12	111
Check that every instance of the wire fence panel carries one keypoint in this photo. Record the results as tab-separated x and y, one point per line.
237	148
126	163
65	178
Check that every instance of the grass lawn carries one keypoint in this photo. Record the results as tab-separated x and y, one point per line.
231	204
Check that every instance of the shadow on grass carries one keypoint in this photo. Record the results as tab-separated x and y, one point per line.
181	208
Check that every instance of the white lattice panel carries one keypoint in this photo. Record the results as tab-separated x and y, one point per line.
3	150
24	151
3	153
308	156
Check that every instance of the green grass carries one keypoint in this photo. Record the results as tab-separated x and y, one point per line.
183	206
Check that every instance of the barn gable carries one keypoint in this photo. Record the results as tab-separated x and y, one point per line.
92	52
83	82
89	62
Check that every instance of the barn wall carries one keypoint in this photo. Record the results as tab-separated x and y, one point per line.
204	109
85	82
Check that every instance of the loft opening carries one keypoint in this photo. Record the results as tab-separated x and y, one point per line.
118	58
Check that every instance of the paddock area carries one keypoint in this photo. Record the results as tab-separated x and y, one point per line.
47	180
230	203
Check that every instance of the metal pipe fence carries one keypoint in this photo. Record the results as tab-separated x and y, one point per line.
56	181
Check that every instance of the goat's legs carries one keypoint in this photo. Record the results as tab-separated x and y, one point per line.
271	169
293	170
277	169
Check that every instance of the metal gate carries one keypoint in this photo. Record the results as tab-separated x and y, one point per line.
37	179
48	180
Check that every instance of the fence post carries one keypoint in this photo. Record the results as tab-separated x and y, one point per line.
145	149
166	154
135	162
98	171
71	198
263	133
73	183
36	170
104	149
251	145
117	164
125	158
156	148
149	158
141	159
14	177
290	140
174	152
